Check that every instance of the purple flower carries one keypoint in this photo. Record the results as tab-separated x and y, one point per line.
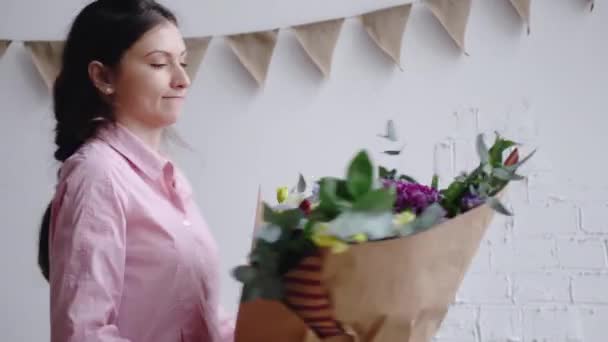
470	201
412	196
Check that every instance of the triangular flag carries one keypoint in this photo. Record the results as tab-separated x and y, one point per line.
197	47
319	41
4	46
254	50
386	28
523	9
47	58
453	15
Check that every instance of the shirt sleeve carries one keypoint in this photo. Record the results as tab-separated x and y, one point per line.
226	325
87	259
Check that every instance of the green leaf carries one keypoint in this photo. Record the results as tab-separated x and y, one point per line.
487	169
322	214
451	197
385	173
329	203
308	228
301	184
342	192
483	189
327	189
495	204
270	233
435	182
360	175
454	191
482	149
287	219
265	256
376	200
268	213
497	150
430	217
506	175
376	225
244	273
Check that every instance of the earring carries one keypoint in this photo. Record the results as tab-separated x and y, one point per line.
108	90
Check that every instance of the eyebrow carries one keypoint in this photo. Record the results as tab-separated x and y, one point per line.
164	52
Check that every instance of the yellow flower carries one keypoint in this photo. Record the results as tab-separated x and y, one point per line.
323	240
404	218
282	194
328	241
360	238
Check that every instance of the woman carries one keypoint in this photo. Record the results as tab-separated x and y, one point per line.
130	258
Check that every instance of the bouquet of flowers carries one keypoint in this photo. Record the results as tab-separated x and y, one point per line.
374	256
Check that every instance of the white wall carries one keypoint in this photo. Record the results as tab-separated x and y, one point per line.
541	276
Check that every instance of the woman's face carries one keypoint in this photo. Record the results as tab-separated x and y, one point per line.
150	83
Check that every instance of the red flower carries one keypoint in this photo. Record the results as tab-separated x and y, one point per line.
513	158
305	206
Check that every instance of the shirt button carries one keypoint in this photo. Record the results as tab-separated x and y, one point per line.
187	223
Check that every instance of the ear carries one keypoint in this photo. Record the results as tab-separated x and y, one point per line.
101	76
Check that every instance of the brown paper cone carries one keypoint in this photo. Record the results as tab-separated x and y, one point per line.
386	28
254	50
383	291
197	47
319	41
453	15
523	9
47	58
4	44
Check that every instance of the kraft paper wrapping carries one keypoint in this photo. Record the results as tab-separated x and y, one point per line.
386	28
383	291
319	41
47	58
197	47
453	15
523	9
254	50
4	46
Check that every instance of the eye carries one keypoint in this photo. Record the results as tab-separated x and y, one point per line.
158	66
184	65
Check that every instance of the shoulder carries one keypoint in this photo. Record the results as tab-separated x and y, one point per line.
94	168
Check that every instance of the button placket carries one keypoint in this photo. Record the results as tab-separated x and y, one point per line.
175	195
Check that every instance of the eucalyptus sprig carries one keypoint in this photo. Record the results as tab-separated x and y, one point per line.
487	180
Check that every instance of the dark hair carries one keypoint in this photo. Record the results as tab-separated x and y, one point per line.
103	31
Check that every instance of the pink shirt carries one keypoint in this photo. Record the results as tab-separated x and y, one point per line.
131	258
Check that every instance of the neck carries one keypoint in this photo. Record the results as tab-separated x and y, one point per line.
152	137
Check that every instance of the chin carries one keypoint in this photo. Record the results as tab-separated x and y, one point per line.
167	119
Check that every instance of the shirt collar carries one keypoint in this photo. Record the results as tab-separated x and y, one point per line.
134	149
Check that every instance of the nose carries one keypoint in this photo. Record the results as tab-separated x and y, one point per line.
180	79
